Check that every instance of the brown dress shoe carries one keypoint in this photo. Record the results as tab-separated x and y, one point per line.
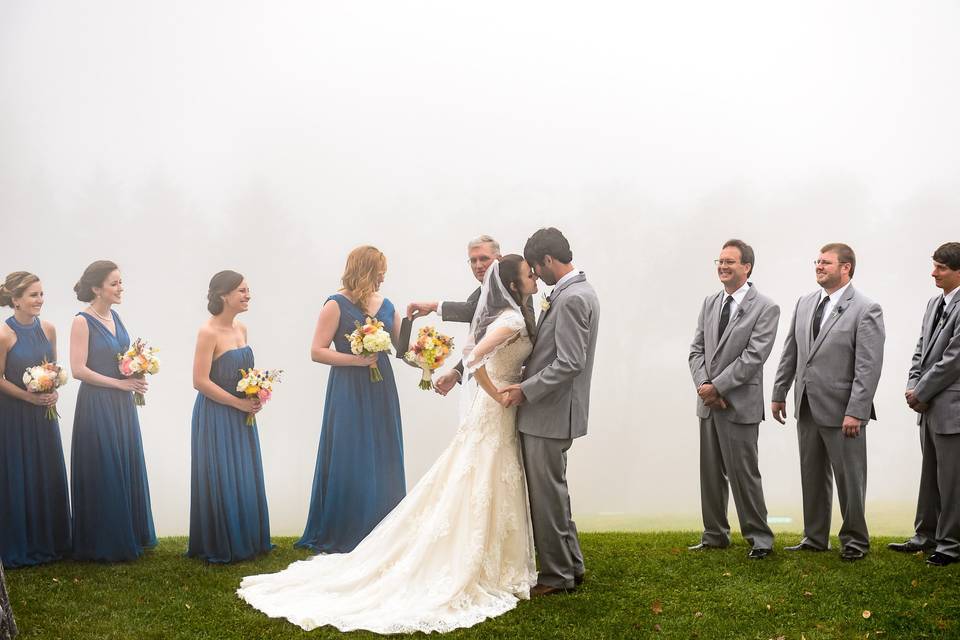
546	590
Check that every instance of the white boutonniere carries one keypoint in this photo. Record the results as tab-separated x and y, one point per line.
544	302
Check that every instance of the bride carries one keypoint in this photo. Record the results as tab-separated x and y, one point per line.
459	548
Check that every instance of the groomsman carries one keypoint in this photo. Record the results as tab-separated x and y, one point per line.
481	253
933	391
834	353
734	337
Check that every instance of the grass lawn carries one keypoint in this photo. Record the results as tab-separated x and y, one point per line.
638	585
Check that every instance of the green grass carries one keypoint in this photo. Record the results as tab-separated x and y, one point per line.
638	585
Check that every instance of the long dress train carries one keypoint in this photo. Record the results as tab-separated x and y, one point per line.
457	550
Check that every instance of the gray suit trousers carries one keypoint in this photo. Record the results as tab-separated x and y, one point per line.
938	506
728	454
826	454
554	532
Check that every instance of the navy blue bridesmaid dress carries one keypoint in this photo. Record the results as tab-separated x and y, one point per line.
112	519
228	503
359	475
34	502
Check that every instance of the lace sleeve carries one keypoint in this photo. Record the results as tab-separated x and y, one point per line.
500	333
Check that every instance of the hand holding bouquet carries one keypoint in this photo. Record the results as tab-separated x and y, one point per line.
257	383
428	353
45	377
370	339
139	360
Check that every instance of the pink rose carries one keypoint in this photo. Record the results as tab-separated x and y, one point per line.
264	395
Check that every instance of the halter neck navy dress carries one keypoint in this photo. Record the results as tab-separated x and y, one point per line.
112	519
359	475
34	505
228	502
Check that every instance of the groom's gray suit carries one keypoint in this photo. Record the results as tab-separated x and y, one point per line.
556	385
733	363
836	375
935	380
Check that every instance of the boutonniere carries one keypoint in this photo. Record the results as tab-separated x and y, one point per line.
838	311
544	302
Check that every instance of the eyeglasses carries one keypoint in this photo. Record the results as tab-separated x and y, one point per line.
826	263
726	263
480	260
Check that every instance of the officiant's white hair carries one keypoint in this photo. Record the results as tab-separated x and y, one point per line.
479	240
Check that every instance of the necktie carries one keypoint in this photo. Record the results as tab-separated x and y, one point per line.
939	314
818	316
724	317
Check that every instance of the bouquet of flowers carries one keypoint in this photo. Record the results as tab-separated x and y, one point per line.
44	378
369	339
139	360
428	353
257	383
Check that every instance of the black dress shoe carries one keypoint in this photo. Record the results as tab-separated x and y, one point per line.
578	580
910	547
938	559
759	554
803	546
851	554
703	545
547	590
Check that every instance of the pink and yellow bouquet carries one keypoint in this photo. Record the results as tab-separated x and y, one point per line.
139	360
369	339
257	383
429	352
44	378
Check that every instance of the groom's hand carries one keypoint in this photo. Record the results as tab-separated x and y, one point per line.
417	309
514	395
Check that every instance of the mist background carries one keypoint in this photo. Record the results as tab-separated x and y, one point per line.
181	138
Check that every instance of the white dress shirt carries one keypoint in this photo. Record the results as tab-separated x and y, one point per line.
834	297
738	297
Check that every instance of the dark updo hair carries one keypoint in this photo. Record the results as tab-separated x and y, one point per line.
510	273
547	242
15	285
93	276
221	284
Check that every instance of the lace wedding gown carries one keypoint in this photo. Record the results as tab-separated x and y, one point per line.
457	550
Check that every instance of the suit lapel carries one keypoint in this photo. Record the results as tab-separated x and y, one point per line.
828	323
741	310
711	323
580	277
934	331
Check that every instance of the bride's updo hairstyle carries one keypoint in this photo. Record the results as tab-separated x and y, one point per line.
364	267
221	284
15	286
511	275
93	276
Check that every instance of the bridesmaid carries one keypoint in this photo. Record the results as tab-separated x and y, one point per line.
34	505
112	520
359	474
228	504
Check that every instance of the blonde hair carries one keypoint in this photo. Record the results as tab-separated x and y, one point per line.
15	286
360	275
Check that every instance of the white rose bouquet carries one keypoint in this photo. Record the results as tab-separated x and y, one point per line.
44	378
368	339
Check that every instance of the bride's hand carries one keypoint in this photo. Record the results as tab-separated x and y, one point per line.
504	399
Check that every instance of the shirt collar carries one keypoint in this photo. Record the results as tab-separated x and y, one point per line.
837	295
950	296
569	276
739	294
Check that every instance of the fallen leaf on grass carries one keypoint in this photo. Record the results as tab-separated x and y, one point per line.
656	627
698	614
768	607
914	582
57	580
941	624
727	573
866	614
807	594
187	605
656	607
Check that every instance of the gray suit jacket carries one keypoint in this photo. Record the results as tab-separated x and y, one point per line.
935	371
734	363
839	371
556	378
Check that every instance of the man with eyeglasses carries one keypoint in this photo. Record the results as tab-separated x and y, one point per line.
833	353
734	337
933	391
481	252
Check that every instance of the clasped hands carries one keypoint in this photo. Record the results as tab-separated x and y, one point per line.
711	397
914	403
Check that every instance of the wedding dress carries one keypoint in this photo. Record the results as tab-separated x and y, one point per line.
457	550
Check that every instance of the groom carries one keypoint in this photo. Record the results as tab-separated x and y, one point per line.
554	400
